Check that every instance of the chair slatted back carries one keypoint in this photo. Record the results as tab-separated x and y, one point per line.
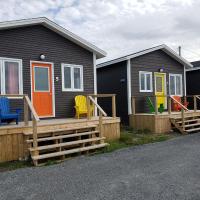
4	105
81	102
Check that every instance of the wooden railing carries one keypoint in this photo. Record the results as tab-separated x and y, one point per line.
92	99
35	118
112	96
169	99
27	106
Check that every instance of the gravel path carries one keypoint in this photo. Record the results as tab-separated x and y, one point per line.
166	170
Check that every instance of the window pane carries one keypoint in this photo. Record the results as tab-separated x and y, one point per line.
172	85
142	82
41	79
159	84
148	81
67	77
77	78
178	85
11	77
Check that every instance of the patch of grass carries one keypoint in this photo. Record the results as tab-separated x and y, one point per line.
131	137
8	166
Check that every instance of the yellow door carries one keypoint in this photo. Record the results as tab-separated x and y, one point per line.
159	79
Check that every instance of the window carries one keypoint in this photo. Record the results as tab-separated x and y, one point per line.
175	84
145	79
41	79
72	77
11	76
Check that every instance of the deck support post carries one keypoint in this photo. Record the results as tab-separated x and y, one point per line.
133	105
25	112
169	105
101	124
113	106
156	105
195	103
88	108
183	119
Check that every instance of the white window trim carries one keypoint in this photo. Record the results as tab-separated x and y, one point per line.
72	89
2	68
145	72
180	75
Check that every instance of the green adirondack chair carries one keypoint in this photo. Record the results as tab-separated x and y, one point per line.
152	108
150	104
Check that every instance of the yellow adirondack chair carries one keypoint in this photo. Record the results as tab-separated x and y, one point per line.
81	106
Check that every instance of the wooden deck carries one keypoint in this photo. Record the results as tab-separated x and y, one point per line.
13	137
157	123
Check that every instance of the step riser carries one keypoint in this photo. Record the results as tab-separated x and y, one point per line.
69	152
63	136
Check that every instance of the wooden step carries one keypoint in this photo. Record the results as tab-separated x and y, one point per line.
60	130
65	144
190	120
67	152
192	130
191	125
63	136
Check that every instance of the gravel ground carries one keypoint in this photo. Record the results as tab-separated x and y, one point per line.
166	170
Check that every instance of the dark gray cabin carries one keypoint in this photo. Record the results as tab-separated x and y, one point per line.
47	62
134	75
193	79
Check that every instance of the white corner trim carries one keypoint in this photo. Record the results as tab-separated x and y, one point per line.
56	28
95	81
129	86
185	84
95	73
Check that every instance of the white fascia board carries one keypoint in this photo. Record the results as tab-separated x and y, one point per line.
163	47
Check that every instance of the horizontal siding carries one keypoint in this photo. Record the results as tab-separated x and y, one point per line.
152	62
29	42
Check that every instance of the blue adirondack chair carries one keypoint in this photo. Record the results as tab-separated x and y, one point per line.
5	114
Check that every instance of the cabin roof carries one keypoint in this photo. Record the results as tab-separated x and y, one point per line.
162	47
56	28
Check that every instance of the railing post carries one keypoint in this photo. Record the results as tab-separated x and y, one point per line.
113	106
156	105
88	108
183	119
35	143
195	103
169	105
25	112
133	105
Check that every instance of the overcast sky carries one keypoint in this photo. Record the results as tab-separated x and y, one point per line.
119	26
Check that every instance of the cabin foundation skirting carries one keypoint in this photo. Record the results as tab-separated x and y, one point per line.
13	144
157	123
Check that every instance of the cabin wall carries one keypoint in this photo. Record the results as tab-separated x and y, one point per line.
113	80
152	62
28	43
192	84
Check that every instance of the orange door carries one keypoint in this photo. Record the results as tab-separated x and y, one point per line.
42	89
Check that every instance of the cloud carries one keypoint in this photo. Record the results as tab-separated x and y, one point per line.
119	26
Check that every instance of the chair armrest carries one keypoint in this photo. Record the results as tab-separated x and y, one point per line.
76	107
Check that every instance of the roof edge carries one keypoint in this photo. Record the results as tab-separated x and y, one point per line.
163	47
